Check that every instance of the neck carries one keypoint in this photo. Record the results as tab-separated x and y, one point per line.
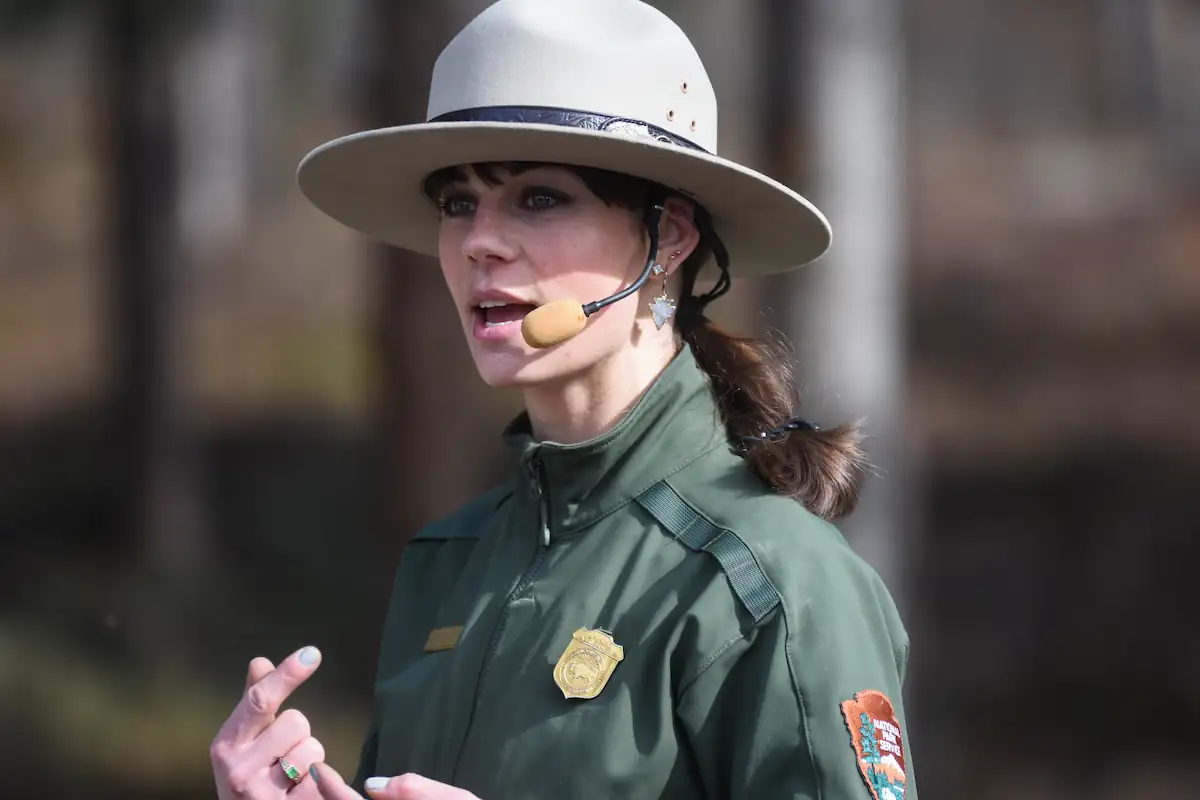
590	403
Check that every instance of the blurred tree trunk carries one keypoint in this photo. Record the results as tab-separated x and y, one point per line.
155	467
433	446
220	99
784	51
852	318
833	71
1126	57
1174	30
852	315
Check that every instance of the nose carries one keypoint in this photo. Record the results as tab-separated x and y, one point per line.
488	240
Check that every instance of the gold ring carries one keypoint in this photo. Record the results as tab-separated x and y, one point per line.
294	775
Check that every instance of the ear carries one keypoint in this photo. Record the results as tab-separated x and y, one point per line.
678	235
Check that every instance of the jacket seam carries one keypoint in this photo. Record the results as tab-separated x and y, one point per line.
788	647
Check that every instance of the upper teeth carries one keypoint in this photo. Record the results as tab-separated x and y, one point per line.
492	304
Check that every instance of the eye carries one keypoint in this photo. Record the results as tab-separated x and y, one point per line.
541	198
456	205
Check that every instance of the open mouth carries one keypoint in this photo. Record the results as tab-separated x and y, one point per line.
496	314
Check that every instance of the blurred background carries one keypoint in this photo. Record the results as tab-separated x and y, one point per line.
222	415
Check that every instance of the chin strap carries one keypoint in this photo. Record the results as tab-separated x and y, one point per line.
655	206
691	305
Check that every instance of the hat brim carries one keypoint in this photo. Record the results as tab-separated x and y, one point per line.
372	182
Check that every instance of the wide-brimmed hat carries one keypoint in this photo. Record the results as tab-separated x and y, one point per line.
612	84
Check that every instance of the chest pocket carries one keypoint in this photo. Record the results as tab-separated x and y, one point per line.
413	705
430	654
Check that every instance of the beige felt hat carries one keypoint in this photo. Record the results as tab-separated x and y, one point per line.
612	84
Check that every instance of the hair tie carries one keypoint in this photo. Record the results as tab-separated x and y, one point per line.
778	433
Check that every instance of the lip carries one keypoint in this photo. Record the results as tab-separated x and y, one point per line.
498	296
495	333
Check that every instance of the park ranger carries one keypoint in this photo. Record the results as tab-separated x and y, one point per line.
655	603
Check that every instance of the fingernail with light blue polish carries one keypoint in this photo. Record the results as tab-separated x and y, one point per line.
376	784
315	775
309	656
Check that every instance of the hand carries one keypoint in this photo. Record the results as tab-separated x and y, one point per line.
246	751
402	787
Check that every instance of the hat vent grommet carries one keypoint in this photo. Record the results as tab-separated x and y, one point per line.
671	115
684	87
694	125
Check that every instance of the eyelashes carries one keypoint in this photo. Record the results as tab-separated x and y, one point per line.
541	198
455	205
533	199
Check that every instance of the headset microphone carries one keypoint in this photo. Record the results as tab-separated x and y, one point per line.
558	321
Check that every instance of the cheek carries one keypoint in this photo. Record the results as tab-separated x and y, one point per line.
453	265
597	272
588	265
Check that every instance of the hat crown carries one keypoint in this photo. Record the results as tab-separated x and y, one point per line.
617	58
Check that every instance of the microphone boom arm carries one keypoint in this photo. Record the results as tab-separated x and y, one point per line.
652	219
559	320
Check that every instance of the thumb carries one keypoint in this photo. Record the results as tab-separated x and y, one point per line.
331	785
411	786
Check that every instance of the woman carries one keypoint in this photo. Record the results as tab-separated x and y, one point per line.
654	603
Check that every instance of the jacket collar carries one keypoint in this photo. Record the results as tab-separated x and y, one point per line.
673	423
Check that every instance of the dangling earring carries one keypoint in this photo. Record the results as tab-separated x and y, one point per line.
662	308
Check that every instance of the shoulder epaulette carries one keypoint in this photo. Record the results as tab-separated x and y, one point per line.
697	532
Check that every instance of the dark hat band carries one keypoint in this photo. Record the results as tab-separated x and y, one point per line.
568	118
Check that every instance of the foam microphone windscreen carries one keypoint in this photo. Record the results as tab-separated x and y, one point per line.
553	323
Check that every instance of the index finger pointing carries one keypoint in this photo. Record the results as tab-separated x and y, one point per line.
261	702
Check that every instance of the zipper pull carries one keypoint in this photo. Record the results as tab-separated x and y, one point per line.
536	472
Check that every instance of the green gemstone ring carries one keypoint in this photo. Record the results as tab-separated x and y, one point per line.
294	775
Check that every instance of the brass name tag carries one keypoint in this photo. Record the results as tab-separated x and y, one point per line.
442	638
587	663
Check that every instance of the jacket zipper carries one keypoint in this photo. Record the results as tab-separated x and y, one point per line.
536	473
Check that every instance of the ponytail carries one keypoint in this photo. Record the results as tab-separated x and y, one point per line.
753	383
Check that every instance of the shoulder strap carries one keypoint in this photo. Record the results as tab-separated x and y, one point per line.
699	533
469	521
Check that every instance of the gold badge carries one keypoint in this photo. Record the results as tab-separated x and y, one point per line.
587	663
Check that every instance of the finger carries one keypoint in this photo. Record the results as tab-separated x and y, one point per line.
259	669
302	756
331	785
262	700
412	786
288	730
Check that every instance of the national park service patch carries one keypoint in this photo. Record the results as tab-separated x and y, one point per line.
875	734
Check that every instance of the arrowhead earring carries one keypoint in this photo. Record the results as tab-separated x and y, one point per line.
662	308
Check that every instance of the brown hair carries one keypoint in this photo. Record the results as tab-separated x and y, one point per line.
752	379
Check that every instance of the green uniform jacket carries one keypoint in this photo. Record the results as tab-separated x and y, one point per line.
761	657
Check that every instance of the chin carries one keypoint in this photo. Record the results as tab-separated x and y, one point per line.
505	370
521	369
